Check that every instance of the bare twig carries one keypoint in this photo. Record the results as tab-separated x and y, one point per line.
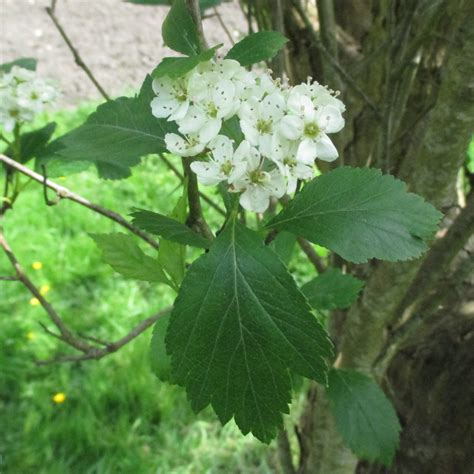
77	57
284	452
65	333
8	278
195	11
64	193
224	26
98	353
311	254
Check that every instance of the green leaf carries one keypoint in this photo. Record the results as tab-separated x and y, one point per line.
257	47
283	245
172	256
32	143
360	214
160	361
25	63
364	416
231	128
122	253
332	290
168	228
238	326
179	30
177	67
116	136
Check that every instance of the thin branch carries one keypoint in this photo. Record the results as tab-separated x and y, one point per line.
195	11
284	452
65	333
8	278
77	57
196	217
342	72
223	25
64	193
311	254
175	170
98	353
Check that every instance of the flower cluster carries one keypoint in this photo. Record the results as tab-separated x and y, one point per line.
285	128
22	95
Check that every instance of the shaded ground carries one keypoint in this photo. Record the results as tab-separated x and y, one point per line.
120	42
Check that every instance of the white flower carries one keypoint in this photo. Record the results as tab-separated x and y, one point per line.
310	125
225	164
284	156
258	185
171	101
259	120
183	146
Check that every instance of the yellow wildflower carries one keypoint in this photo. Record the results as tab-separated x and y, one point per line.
37	265
34	302
31	336
59	397
44	289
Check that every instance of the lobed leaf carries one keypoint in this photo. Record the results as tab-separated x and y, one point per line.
238	327
257	47
364	416
114	137
360	214
25	63
177	67
332	290
179	30
122	253
168	228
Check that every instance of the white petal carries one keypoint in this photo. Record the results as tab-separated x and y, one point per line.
210	130
161	108
277	185
250	132
180	112
265	145
175	144
291	127
273	107
325	148
223	94
307	152
330	119
193	121
207	172
222	149
255	198
162	86
238	172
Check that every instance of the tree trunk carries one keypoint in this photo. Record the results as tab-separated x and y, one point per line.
406	71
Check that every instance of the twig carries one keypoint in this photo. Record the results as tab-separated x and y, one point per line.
342	72
8	278
65	333
195	11
175	170
77	57
196	217
64	193
98	353
311	254
223	25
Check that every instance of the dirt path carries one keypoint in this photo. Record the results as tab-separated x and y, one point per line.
120	42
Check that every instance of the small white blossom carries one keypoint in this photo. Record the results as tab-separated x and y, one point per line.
259	120
172	101
22	95
225	163
258	185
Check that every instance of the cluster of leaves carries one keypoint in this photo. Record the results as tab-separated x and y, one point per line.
240	327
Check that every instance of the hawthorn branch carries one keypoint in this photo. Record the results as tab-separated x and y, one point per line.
223	25
175	170
64	193
96	353
8	278
313	257
64	333
77	57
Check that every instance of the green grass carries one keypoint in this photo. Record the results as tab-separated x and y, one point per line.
117	417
